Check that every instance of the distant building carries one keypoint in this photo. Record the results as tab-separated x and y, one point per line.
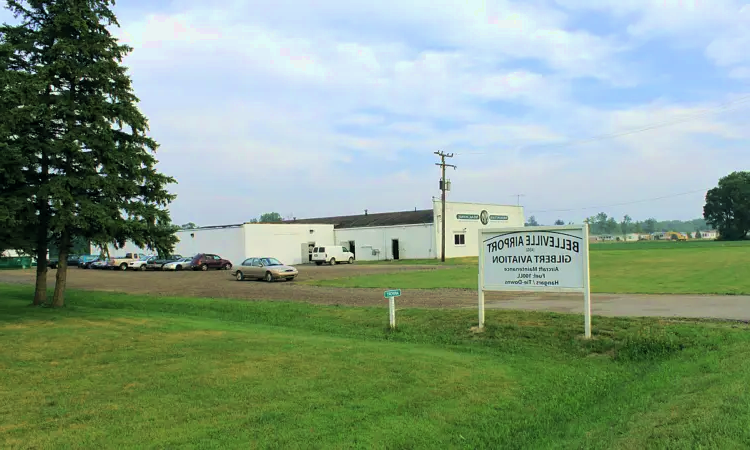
632	237
708	234
371	236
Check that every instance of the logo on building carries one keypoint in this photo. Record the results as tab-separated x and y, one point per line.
484	216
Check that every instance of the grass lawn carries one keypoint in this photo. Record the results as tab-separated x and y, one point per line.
117	371
698	267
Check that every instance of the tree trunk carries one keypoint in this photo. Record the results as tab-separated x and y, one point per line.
40	292
42	244
58	299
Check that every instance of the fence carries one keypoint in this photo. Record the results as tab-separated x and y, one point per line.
15	262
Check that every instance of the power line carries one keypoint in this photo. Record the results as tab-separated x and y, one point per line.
689	117
621	204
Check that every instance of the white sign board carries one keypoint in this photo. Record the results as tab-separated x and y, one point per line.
545	259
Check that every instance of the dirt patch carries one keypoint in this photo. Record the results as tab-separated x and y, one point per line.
181	336
221	284
26	325
131	321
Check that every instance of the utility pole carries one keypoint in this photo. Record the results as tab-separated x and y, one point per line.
443	187
519	198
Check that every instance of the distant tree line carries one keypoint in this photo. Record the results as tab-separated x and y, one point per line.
603	224
272	217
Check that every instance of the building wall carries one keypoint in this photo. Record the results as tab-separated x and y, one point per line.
129	247
469	226
414	241
284	241
226	242
229	243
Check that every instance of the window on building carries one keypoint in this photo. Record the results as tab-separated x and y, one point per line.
459	239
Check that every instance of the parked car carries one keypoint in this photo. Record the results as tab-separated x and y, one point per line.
158	263
331	254
86	260
141	263
121	262
182	264
205	261
269	269
101	264
54	263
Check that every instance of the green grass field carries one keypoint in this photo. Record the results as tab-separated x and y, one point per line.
698	267
117	371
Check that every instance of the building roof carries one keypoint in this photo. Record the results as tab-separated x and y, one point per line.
373	220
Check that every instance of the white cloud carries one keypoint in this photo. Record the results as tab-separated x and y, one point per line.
740	73
274	94
720	27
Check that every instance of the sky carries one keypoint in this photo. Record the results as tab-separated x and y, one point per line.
331	107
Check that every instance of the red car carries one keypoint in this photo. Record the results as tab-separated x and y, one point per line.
205	261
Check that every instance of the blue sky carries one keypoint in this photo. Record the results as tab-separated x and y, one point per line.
333	107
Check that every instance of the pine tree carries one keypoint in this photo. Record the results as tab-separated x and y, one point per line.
24	212
103	184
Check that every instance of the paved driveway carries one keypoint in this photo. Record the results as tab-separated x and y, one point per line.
693	306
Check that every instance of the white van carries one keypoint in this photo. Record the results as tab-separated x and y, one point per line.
332	254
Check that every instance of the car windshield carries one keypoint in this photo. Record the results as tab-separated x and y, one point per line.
271	262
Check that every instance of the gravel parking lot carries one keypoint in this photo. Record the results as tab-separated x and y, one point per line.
221	284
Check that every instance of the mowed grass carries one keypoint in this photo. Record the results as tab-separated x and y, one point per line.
118	371
698	267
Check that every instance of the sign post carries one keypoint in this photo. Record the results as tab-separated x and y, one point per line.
391	296
540	259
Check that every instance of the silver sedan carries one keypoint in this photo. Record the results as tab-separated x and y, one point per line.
265	268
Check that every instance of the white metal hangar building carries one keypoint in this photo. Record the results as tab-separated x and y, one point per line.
416	234
370	236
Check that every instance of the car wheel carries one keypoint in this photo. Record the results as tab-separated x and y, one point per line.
351	260
227	266
268	277
204	267
142	268
123	266
240	276
333	261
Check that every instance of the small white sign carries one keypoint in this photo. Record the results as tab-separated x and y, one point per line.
547	259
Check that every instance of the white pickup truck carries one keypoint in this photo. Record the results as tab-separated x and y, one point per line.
122	262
